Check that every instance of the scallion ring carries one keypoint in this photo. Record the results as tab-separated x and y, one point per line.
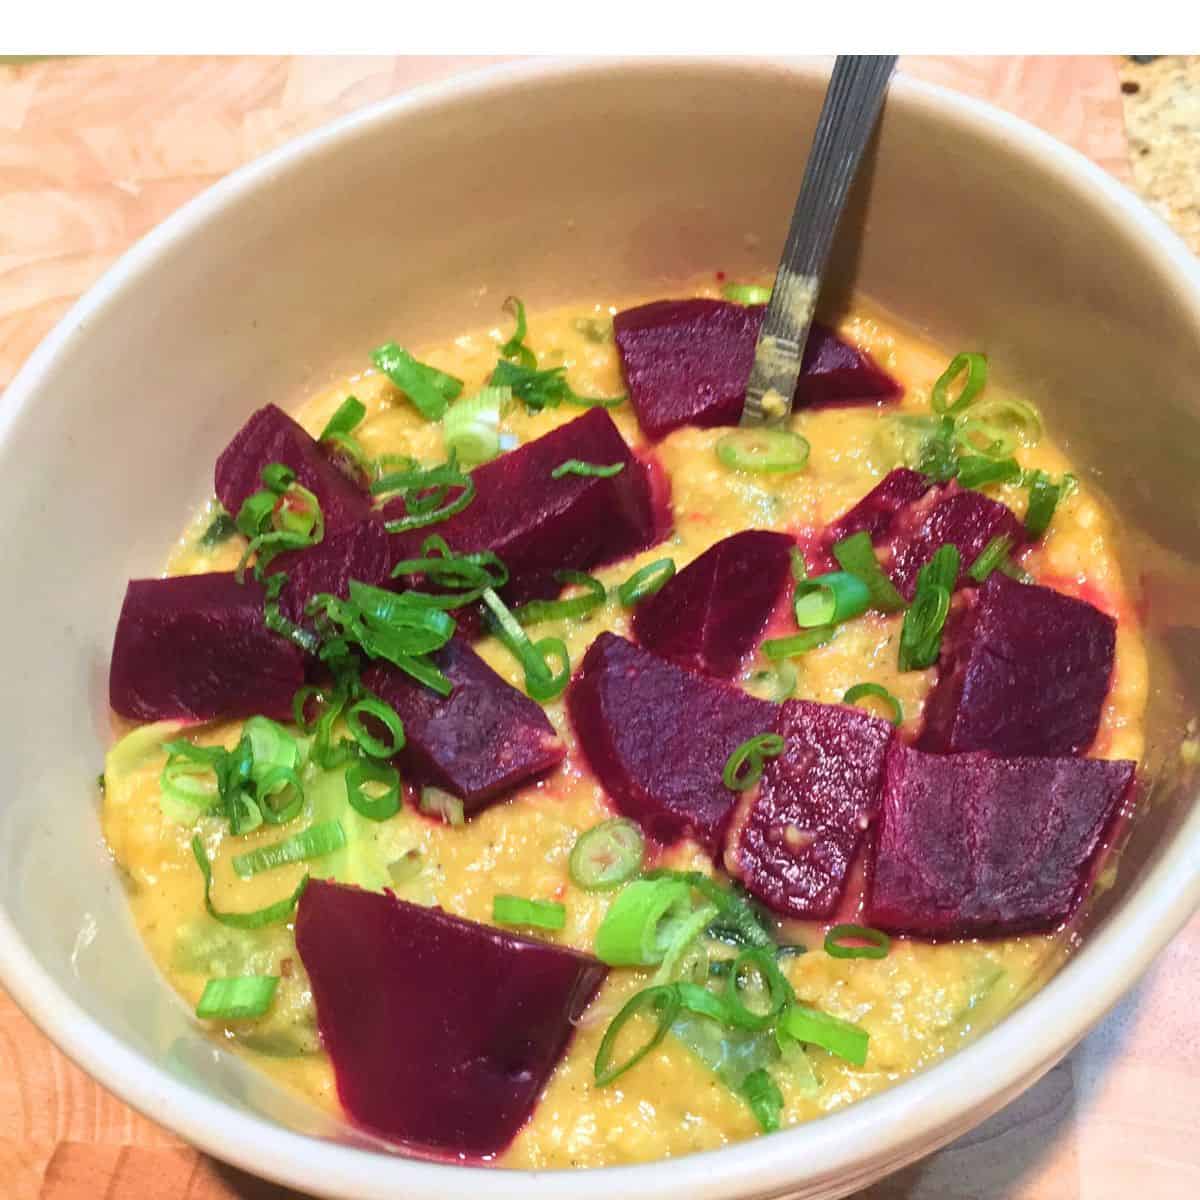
660	1002
816	1028
766	451
575	466
856	555
744	767
448	809
777	649
778	991
273	783
638	928
983	438
238	999
877	942
830	599
607	855
536	914
876	690
973	368
272	914
593	598
542	682
645	581
387	716
374	805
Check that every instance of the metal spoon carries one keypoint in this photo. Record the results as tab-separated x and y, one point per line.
852	104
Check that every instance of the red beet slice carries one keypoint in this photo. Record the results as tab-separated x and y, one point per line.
481	741
363	552
442	1032
805	827
710	615
687	361
876	511
971	846
538	524
948	515
658	738
1024	670
272	436
195	647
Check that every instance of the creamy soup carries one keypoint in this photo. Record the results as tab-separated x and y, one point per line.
918	1003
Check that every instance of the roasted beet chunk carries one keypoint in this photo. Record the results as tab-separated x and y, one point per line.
973	846
687	362
195	646
538	524
362	552
709	616
272	436
1024	670
876	511
481	741
442	1032
658	738
805	827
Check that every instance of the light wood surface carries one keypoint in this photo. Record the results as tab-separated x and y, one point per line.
93	154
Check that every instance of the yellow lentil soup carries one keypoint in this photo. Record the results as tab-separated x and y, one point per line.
920	1001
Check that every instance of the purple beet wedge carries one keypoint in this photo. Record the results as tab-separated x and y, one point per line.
272	436
876	511
658	737
538	524
442	1032
478	743
947	515
195	647
362	552
804	829
709	616
975	846
687	362
1024	670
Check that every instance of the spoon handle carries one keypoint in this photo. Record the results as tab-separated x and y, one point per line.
852	104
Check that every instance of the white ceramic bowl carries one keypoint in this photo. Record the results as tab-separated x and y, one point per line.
556	181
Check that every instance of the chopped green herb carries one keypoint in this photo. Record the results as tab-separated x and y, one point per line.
429	389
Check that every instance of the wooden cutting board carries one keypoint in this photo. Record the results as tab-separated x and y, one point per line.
95	152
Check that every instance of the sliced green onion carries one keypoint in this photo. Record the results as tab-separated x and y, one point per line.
426	494
1008	413
830	599
444	568
939	459
856	555
697	999
575	466
983	438
816	1028
744	767
762	1094
314	842
860	690
471	426
607	855
541	682
387	716
663	1003
645	581
746	293
274	782
537	914
345	421
220	529
737	919
447	808
798	643
878	942
973	368
272	914
545	389
1044	498
515	347
797	1063
683	938
374	805
777	685
277	477
187	789
284	516
637	930
771	451
237	999
991	557
561	610
976	471
921	633
429	389
761	962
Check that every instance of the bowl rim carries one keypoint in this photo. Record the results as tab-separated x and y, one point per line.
938	1102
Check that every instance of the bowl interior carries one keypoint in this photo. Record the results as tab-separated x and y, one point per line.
555	183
